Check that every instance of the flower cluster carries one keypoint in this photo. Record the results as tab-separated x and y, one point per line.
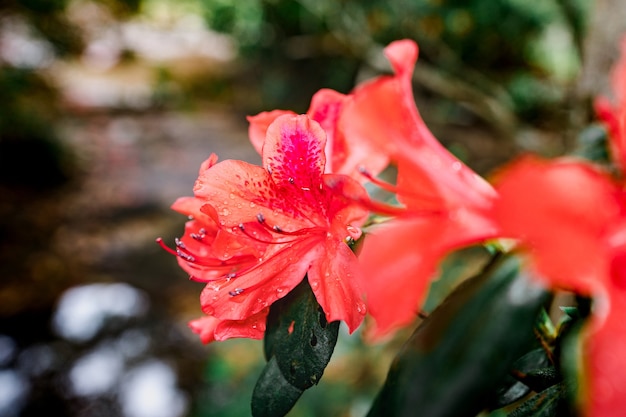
257	231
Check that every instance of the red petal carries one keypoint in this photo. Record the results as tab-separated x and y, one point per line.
239	191
334	278
604	382
398	262
257	288
211	329
259	124
294	152
325	108
560	212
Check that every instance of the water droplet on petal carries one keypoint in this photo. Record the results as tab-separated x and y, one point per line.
280	290
225	212
360	307
252	205
232	196
315	284
456	166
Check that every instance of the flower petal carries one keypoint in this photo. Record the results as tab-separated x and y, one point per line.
398	264
239	192
334	279
294	152
605	382
212	329
258	126
262	284
560	212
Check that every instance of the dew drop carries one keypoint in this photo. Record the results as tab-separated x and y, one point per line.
252	205
315	284
280	290
456	166
360	307
231	196
225	212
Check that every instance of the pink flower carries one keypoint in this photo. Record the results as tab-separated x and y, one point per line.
257	231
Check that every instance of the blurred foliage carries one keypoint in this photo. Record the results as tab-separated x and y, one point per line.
526	52
30	108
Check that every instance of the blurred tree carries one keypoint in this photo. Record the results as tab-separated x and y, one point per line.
523	54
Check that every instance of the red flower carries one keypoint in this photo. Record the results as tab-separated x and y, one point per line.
257	231
569	218
446	204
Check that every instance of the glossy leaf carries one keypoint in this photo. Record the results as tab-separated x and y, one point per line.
548	403
459	355
513	389
273	395
299	343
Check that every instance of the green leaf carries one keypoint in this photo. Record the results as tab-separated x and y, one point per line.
273	395
549	403
460	354
513	389
299	343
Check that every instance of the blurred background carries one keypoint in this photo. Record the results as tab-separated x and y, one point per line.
107	109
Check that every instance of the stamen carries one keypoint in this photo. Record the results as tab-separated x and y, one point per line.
183	253
159	240
376	181
269	242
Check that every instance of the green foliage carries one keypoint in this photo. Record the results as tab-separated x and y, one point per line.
298	345
460	354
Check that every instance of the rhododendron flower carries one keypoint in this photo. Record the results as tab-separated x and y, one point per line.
569	218
446	204
257	231
344	154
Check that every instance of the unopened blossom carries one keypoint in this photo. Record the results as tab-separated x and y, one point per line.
258	231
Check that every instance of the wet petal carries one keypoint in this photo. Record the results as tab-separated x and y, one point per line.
334	280
239	192
294	152
260	285
212	329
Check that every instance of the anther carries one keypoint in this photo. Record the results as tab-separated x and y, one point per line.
236	292
179	243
